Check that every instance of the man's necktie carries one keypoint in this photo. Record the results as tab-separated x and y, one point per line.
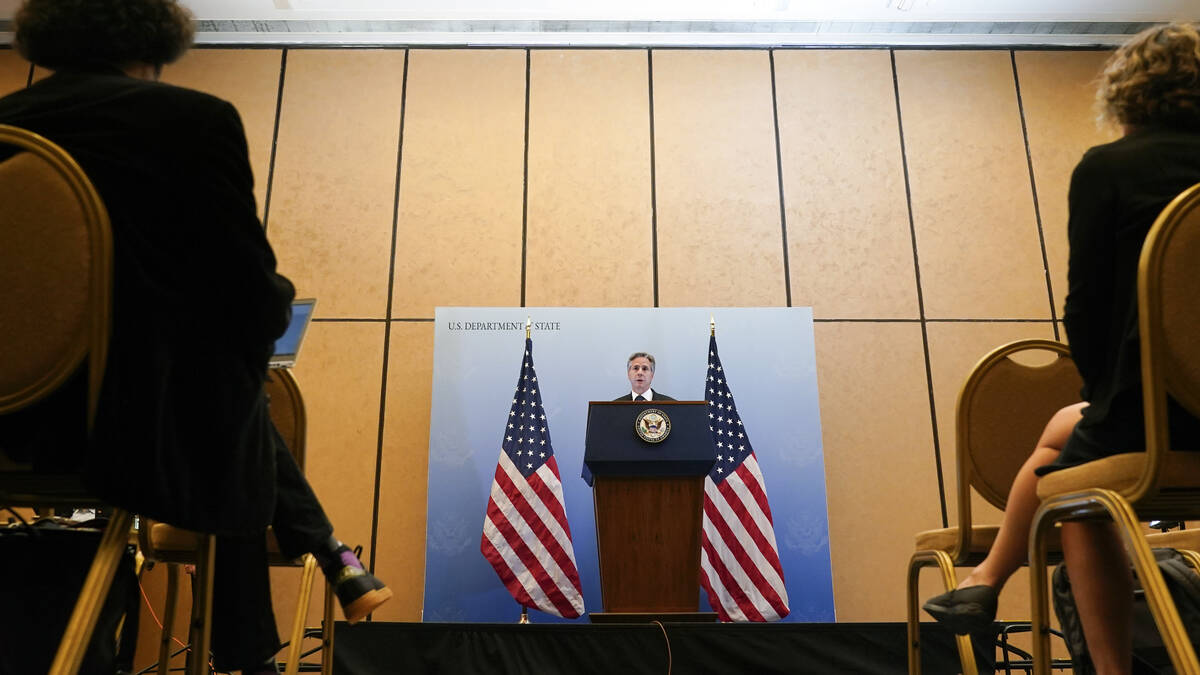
640	398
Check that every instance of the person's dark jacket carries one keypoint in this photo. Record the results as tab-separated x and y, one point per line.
182	433
1117	192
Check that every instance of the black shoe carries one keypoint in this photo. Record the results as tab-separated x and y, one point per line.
358	591
964	610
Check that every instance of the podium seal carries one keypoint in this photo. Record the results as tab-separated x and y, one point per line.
652	425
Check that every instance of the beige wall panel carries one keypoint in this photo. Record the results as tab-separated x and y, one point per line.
333	190
1057	91
247	78
14	71
849	245
972	202
339	374
400	556
717	179
955	348
459	236
879	466
589	234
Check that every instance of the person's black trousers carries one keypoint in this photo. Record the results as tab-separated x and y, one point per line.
244	632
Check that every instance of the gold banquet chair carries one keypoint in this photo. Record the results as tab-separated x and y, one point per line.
55	304
1002	410
1160	483
176	547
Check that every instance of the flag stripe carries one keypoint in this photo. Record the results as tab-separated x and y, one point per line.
724	591
548	571
530	521
755	487
516	576
757	528
520	515
533	509
541	566
760	577
546	485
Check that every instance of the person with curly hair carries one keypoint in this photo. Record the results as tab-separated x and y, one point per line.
182	433
1150	87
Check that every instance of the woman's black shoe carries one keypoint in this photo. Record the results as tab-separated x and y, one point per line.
964	610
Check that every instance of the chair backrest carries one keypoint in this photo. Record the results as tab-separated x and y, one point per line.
1003	408
55	272
287	410
1169	326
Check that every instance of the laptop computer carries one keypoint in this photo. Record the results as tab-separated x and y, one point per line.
288	345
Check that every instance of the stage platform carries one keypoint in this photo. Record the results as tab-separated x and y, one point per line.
634	649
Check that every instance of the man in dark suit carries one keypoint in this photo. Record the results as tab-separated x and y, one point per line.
640	370
182	432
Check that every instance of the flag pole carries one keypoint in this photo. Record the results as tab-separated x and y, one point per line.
528	325
524	614
712	326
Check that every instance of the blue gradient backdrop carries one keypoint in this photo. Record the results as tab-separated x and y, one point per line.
580	356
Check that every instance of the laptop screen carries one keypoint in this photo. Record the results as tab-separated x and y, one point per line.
287	346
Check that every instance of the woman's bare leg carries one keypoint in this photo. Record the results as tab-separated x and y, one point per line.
1103	590
1011	548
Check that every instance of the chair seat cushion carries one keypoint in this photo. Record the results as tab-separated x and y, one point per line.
1183	539
1118	472
946	538
982	538
171	542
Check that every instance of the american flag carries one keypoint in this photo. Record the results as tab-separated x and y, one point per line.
739	560
525	532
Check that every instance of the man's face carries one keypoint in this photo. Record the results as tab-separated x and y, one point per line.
641	374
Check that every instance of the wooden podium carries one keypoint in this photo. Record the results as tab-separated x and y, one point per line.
648	499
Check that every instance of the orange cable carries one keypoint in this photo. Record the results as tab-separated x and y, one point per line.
155	616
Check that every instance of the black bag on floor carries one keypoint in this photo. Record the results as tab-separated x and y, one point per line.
42	569
1149	654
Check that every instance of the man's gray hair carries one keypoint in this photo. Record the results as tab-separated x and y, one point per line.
640	355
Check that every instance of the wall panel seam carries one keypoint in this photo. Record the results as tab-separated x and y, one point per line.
912	228
525	188
1037	210
387	323
653	177
787	274
274	138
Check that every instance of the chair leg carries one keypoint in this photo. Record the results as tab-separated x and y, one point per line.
1162	606
168	619
95	590
1039	592
201	628
297	639
327	632
966	651
1099	503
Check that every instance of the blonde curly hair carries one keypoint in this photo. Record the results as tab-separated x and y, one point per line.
1154	79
